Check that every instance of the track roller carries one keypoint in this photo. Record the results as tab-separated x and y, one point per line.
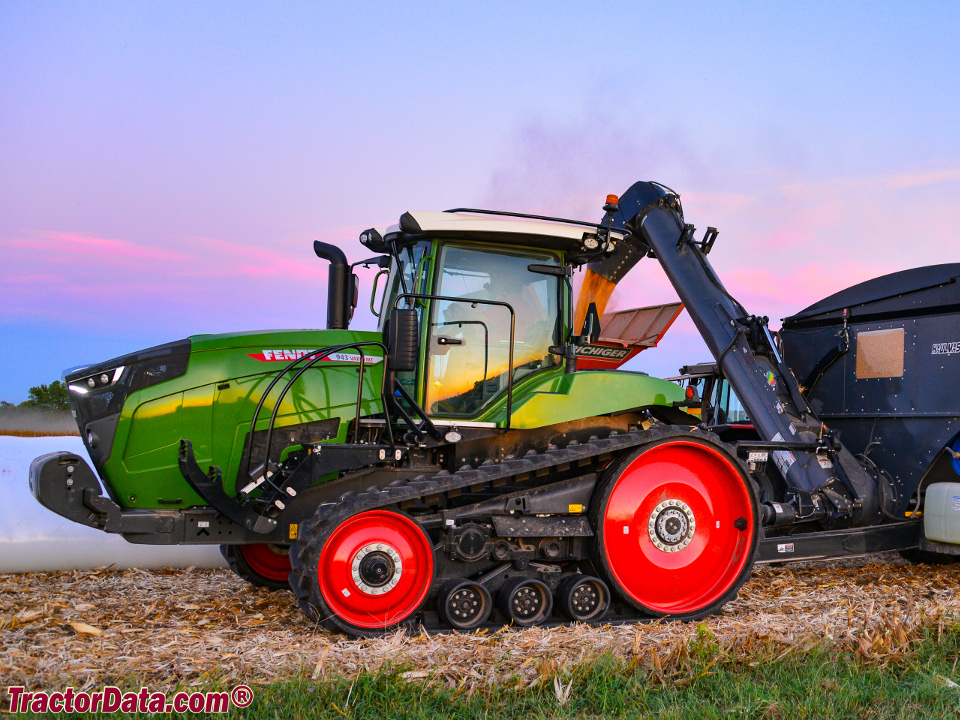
525	602
583	598
464	604
677	527
260	564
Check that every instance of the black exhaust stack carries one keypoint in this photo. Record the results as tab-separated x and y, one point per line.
339	291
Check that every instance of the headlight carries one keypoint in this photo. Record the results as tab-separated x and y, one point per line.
97	381
100	390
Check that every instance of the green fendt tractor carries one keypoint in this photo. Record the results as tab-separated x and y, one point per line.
480	459
448	458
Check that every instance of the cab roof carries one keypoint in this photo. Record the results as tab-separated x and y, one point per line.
567	236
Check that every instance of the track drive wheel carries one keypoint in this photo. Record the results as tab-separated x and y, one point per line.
677	526
464	605
525	602
367	575
261	564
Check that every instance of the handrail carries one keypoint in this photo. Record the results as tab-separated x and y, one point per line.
418	276
317	356
373	291
276	408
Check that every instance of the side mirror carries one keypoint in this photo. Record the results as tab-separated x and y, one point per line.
403	340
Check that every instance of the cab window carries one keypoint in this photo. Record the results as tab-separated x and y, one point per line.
469	343
404	276
728	406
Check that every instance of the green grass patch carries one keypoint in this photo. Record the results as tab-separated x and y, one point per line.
818	684
707	682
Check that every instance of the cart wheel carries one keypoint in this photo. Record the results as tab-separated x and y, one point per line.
677	526
260	564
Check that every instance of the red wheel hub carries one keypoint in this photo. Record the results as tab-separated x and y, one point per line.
678	527
375	569
269	561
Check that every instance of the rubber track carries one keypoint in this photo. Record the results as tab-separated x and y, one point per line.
304	553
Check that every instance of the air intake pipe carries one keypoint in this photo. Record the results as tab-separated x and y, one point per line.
339	289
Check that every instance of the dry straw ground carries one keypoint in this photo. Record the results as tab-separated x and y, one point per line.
169	627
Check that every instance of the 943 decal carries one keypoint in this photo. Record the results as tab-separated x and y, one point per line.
281	355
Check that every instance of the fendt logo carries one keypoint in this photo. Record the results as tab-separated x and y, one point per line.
291	355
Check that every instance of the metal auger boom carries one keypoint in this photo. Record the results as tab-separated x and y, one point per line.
825	480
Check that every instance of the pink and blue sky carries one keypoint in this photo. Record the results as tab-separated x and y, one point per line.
164	167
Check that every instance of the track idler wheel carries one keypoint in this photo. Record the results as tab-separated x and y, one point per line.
260	564
583	598
677	527
464	605
366	576
525	602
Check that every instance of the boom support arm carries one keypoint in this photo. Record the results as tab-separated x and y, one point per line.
826	472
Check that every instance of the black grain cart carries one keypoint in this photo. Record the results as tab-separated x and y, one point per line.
879	363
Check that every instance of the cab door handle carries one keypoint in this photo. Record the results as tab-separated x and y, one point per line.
449	341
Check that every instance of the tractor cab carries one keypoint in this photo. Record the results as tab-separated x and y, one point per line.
492	297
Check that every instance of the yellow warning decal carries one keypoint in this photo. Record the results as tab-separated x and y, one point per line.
576	509
294	527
